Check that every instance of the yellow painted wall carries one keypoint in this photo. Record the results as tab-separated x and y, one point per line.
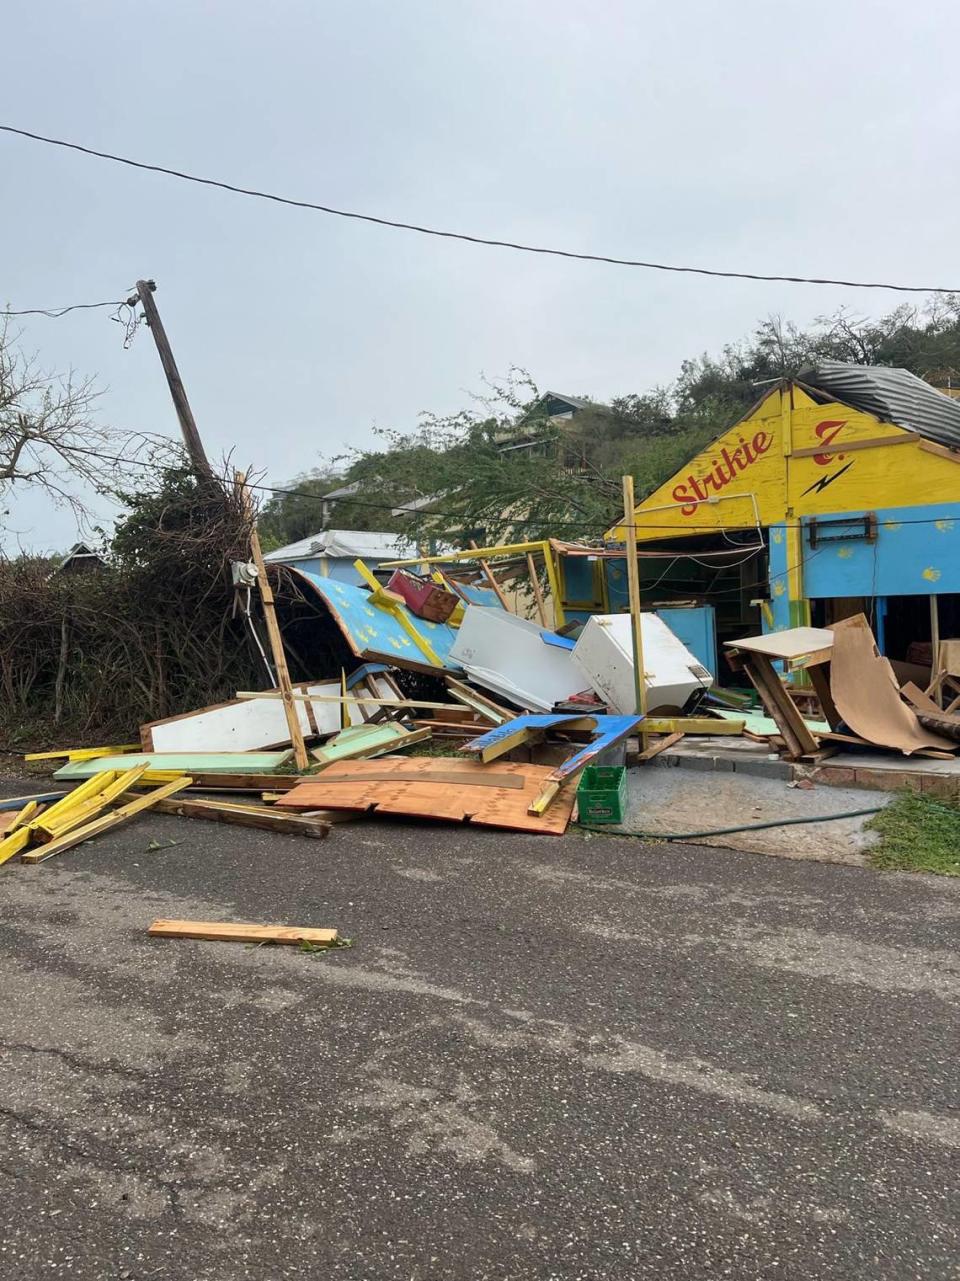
751	475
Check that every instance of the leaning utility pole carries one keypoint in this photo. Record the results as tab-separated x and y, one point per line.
188	425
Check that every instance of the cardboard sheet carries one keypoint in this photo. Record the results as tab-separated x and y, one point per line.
433	795
866	693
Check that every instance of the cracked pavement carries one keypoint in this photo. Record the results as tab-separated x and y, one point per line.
542	1058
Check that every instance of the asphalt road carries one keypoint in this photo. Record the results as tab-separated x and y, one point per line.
542	1058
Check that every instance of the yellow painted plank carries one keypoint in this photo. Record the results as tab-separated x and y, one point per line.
106	821
13	844
691	725
92	787
83	753
241	932
23	818
48	829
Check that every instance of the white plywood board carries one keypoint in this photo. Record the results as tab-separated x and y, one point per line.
243	725
509	656
793	642
604	655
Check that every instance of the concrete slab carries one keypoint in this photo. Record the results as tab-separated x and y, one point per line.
677	801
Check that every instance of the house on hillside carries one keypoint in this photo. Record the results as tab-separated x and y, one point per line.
532	434
837	493
80	559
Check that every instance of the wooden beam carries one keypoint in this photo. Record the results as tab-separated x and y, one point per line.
106	822
488	574
273	632
14	843
875	442
633	586
235	932
459	777
478	702
659	746
349	698
821	687
537	590
780	706
691	725
941	451
258	816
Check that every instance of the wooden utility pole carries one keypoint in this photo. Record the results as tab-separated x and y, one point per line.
633	584
273	632
188	425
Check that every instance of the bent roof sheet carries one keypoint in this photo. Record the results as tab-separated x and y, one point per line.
894	395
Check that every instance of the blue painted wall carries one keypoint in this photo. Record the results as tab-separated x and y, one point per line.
339	569
907	559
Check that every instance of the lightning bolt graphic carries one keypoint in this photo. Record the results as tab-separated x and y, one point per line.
820	485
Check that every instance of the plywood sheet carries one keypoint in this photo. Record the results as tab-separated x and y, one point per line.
867	697
242	725
187	762
433	795
794	642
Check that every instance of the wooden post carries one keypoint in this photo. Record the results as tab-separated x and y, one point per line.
633	583
537	593
488	572
273	632
188	426
935	641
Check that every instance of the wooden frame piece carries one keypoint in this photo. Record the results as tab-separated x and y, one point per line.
778	703
237	932
258	816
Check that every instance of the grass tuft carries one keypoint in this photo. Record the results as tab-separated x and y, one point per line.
917	834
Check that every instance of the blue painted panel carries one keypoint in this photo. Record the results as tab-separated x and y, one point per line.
578	585
697	629
618	591
779	602
340	569
374	633
610	730
907	559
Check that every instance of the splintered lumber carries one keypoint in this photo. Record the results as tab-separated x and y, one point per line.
23	818
263	817
237	932
106	822
658	746
54	825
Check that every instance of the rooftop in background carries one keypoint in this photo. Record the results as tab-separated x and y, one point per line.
346	544
893	395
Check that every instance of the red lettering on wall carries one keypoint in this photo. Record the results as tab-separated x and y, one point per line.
827	432
721	472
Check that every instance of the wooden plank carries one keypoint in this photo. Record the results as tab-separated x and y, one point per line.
875	442
258	816
237	932
691	725
42	798
11	845
633	596
106	822
83	753
537	591
80	795
488	574
780	706
23	818
370	746
273	633
820	680
479	702
658	746
49	828
489	778
374	701
941	451
7	820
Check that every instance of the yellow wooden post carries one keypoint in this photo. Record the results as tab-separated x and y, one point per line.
633	584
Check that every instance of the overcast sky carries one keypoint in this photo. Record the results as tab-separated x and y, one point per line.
813	138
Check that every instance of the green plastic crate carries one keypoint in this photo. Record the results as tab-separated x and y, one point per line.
602	794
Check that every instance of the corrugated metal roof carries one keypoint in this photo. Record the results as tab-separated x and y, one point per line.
894	395
346	544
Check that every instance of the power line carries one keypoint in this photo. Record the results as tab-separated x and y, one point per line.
470	239
56	312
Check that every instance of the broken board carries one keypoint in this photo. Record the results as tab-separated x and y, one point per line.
242	932
432	795
866	694
242	725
